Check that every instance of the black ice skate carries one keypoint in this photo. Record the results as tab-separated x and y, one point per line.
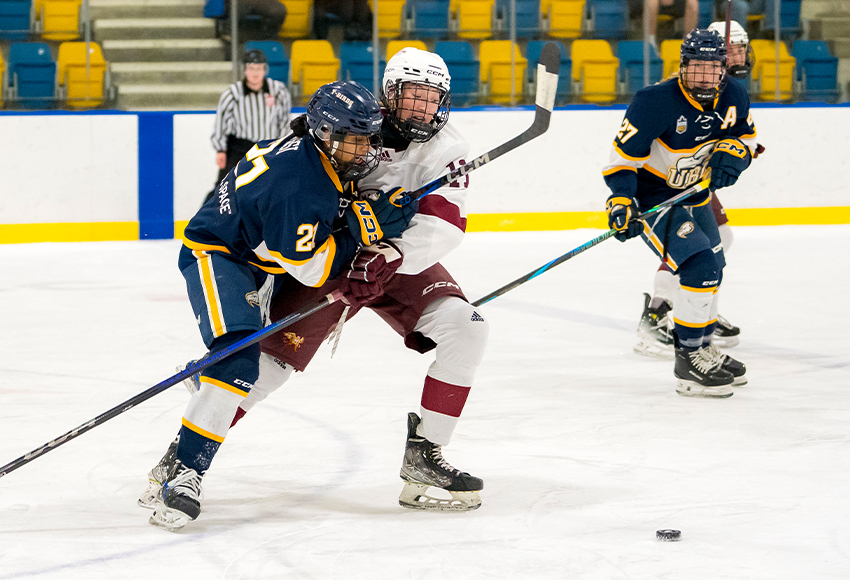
727	363
192	383
700	374
655	334
158	475
180	499
726	335
424	467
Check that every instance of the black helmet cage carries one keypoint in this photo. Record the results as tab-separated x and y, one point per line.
414	130
739	71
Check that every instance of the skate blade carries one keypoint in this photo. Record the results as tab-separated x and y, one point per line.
653	349
168	518
740	381
415	496
149	497
689	389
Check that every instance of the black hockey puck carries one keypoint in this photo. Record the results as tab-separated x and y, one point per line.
668	535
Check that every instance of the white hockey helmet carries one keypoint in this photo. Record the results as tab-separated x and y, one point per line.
418	67
737	36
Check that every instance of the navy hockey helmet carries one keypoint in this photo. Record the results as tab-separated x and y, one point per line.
703	45
337	114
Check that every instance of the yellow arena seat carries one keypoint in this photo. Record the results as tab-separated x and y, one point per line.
474	18
83	84
671	51
60	19
313	64
564	17
764	71
394	46
299	19
389	17
495	57
595	70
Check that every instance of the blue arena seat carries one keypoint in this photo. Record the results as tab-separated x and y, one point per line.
789	17
532	54
609	19
630	53
15	19
464	68
32	74
276	55
214	9
430	18
817	70
527	17
356	63
705	16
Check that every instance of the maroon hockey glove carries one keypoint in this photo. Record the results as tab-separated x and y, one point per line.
622	212
369	272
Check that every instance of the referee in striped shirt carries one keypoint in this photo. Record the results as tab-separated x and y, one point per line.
254	109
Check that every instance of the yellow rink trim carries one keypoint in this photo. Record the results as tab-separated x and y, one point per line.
69	232
481	222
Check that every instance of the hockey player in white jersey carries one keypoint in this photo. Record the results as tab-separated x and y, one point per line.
403	282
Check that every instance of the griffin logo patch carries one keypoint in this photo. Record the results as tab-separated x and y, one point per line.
293	339
253	298
685	229
681	125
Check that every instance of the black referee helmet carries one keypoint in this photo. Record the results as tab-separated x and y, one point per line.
254	57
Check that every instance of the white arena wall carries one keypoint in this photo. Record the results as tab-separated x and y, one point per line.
76	176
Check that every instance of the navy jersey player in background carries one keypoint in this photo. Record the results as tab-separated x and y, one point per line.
672	133
270	221
655	330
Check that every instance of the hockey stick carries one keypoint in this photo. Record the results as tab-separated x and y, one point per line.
699	187
544	102
191	369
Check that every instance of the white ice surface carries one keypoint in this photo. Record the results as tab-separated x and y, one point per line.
585	448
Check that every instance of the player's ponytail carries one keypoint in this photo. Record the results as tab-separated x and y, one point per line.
299	126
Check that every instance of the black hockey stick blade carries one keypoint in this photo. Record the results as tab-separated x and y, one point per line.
544	102
190	370
699	187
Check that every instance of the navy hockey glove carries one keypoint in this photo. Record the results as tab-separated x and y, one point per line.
729	159
369	272
379	215
622	216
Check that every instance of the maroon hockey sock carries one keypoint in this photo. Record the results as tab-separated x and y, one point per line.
240	412
443	398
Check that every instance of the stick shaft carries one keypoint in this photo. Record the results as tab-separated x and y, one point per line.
190	370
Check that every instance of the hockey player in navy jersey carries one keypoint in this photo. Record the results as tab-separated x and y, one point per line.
269	224
673	132
403	282
655	329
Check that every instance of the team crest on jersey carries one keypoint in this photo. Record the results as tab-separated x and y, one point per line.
688	169
253	298
293	339
681	125
685	229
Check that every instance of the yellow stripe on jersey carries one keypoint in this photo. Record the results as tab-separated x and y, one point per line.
205	271
692	150
619	168
693	324
225	386
204	247
712	289
202	432
269	269
654	171
629	157
331	243
330	171
279	256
